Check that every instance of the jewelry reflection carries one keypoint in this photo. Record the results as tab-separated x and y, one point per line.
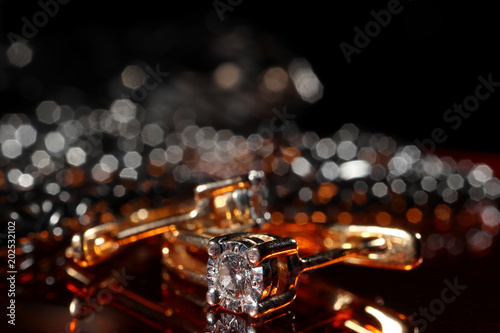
222	321
350	312
229	205
320	303
95	291
258	273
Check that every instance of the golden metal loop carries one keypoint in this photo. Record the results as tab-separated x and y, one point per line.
224	206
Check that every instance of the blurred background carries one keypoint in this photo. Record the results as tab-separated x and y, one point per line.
426	59
103	104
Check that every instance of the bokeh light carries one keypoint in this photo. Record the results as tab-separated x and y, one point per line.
19	54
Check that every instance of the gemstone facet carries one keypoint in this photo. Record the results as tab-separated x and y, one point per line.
233	281
235	275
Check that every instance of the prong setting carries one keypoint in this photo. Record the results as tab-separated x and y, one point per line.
243	277
252	310
213	249
212	296
234	282
253	255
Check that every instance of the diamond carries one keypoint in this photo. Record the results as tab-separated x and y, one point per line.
233	281
235	275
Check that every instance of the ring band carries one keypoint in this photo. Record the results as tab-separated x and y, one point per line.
229	205
257	273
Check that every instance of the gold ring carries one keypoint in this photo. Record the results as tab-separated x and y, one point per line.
257	274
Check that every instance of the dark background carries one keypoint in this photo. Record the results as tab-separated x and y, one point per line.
424	61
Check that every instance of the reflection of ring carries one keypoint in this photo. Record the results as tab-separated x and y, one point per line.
229	205
222	321
257	273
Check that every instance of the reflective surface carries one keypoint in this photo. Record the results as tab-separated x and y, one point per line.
124	114
134	292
